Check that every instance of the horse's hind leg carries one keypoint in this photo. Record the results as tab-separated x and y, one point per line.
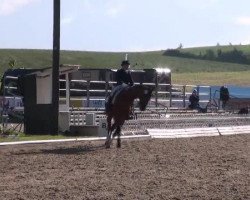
107	142
108	139
118	133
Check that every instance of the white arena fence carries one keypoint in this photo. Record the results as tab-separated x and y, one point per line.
176	99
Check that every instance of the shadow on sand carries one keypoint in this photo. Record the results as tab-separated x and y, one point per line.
73	150
61	150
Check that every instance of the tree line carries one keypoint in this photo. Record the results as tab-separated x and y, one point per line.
234	56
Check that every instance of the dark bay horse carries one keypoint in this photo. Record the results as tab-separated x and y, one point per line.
120	109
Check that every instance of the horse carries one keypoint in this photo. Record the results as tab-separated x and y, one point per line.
120	109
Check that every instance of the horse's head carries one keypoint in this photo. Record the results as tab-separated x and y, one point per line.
145	97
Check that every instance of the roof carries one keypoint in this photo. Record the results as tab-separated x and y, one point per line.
63	69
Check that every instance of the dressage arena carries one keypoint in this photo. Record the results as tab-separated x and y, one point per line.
180	168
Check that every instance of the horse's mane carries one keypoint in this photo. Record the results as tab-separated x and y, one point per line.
129	94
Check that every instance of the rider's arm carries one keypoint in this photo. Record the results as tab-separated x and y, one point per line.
197	99
131	82
119	77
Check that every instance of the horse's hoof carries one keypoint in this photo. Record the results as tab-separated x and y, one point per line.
118	145
107	145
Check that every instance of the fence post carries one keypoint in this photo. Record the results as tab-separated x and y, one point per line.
184	96
170	97
4	114
210	94
74	116
88	92
156	92
67	91
198	90
106	88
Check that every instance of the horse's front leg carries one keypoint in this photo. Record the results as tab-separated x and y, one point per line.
108	140
110	136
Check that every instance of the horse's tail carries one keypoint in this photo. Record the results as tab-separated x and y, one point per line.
108	105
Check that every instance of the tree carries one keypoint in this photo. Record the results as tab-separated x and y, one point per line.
180	46
209	54
12	63
219	52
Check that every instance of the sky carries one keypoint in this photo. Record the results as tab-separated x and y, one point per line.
124	25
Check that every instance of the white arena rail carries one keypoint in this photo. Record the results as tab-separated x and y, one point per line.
198	132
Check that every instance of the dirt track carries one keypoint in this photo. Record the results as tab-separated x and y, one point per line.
197	168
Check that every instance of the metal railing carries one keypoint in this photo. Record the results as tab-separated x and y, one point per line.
11	104
175	96
165	97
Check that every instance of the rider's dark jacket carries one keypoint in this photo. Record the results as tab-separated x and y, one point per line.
194	101
224	94
124	76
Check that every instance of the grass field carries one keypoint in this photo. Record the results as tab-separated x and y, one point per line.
28	58
184	70
240	78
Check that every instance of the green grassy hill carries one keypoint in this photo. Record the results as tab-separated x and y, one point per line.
43	58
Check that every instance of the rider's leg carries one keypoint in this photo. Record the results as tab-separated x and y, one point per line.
111	98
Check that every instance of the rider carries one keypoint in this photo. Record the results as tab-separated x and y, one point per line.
224	95
194	100
123	75
123	79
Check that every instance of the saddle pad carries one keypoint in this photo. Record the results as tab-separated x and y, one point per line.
116	91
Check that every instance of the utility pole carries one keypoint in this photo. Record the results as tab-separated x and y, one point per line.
55	68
